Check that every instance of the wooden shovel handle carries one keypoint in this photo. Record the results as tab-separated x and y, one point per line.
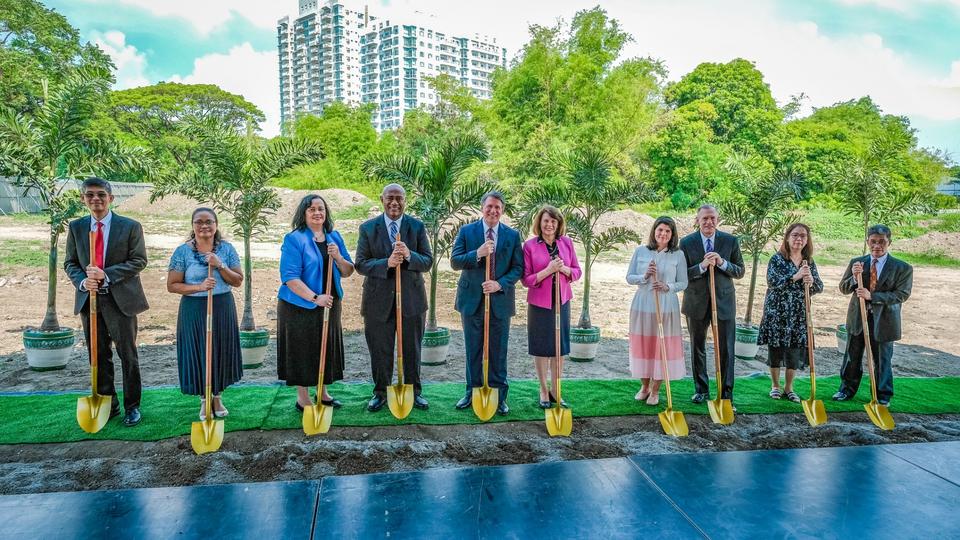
326	325
399	323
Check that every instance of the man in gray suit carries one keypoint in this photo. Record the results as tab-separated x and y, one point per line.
703	249
887	284
379	257
115	278
474	244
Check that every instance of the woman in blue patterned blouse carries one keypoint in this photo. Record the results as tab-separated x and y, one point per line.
187	276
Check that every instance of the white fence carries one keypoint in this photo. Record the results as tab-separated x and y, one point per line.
14	199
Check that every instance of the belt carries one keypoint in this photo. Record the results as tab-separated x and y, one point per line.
103	290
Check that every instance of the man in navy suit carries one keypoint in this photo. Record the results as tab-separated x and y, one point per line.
703	249
475	242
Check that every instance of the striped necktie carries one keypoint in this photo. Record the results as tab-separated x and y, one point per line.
393	231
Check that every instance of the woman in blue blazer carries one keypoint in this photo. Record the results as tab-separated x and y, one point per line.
304	256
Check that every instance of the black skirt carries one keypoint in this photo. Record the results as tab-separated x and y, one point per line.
226	359
298	344
788	357
541	331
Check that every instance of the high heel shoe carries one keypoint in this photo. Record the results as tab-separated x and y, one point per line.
642	394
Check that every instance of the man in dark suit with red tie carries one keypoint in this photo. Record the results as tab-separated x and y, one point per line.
887	284
703	249
114	277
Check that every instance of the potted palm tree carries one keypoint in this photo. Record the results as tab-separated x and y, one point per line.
585	192
232	174
758	212
42	152
443	198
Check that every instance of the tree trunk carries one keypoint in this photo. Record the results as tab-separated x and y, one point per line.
432	310
748	316
866	227
585	309
247	324
50	322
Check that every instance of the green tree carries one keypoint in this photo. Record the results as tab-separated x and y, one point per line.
685	158
747	116
232	173
867	186
152	116
759	210
443	193
587	190
43	150
570	88
38	44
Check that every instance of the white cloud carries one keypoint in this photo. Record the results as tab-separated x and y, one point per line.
130	62
905	7
244	71
207	15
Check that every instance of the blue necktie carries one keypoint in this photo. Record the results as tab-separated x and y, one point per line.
709	245
393	231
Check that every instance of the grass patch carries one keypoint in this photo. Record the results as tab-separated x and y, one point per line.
946	222
357	211
29	253
369	189
167	413
937	258
23	218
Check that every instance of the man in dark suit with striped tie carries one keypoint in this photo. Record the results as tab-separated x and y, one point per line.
703	249
114	277
888	284
379	257
476	242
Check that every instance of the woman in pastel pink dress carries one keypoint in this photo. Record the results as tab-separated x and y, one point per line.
657	265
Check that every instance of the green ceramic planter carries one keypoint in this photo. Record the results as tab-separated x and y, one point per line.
746	346
253	347
47	351
584	343
434	347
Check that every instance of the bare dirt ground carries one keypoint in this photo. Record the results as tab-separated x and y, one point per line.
929	348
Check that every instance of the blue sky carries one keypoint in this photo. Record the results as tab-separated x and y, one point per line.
905	54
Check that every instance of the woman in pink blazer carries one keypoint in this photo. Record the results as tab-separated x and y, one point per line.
546	256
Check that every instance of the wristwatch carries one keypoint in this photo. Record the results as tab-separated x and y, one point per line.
315	296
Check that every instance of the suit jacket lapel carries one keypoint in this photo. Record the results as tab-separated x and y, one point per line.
500	253
385	241
116	230
888	269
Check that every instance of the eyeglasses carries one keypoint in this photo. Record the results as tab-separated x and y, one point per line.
202	222
798	236
90	195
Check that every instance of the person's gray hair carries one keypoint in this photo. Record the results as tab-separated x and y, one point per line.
880	229
495	194
393	187
706	206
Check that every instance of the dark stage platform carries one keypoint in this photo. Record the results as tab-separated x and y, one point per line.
876	492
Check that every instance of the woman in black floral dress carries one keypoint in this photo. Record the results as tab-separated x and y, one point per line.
783	328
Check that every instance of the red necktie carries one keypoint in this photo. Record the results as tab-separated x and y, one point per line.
98	247
873	275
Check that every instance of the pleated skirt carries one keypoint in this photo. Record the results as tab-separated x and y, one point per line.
644	344
226	359
541	331
298	344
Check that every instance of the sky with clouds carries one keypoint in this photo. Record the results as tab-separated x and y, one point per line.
905	54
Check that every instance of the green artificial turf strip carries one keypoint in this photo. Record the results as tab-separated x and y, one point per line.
167	413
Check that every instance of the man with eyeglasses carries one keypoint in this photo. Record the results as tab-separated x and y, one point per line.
887	283
114	276
380	255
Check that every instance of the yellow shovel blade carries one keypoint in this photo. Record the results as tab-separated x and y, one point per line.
559	421
317	419
879	415
485	401
673	423
206	436
721	411
93	412
813	409
400	400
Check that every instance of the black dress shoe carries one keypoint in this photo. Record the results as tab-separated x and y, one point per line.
883	402
376	403
502	409
700	398
545	404
841	396
114	413
421	403
132	417
464	402
299	406
332	402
